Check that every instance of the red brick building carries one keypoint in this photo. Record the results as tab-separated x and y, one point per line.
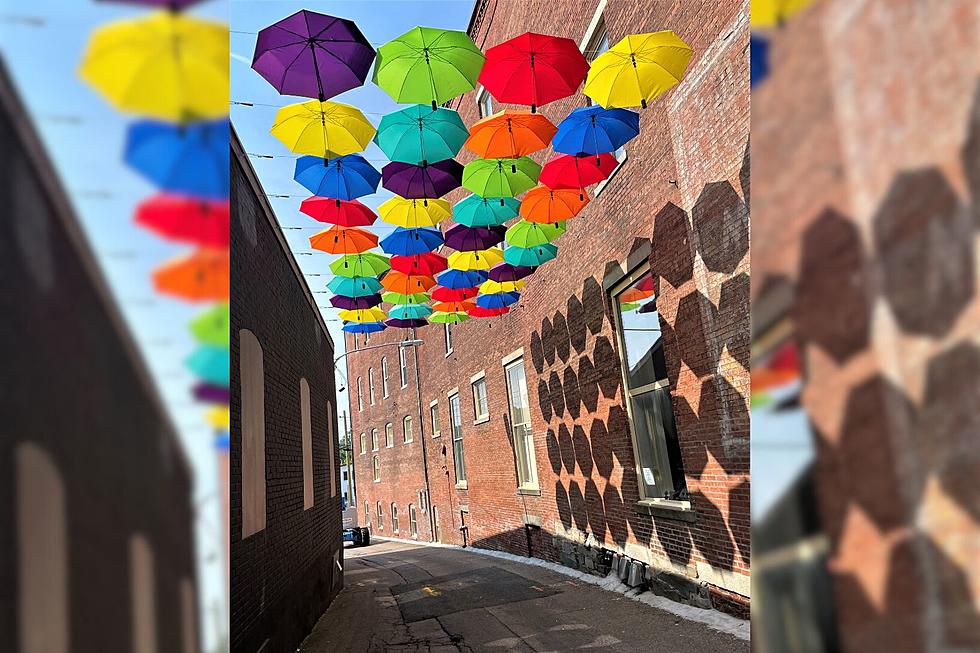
527	433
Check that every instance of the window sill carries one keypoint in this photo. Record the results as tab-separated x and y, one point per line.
437	435
668	509
408	441
449	353
481	420
461	485
404	385
377	480
529	491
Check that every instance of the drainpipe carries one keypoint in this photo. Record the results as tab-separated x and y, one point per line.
425	457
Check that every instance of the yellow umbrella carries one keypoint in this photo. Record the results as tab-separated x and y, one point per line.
491	287
637	69
325	129
402	212
483	259
219	418
771	13
165	65
363	315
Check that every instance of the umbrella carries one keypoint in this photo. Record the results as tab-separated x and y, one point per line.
219	418
534	69
637	69
577	172
354	303
324	129
479	311
506	272
405	242
199	276
312	55
406	324
421	134
773	13
510	133
407	284
531	234
364	327
443	294
457	279
476	211
343	240
212	393
164	65
494	287
182	159
428	66
414	213
500	177
418	182
368	264
635	295
448	318
212	326
546	205
478	260
428	263
343	178
211	364
468	239
354	286
362	315
497	300
410	312
453	307
531	256
344	213
186	220
594	130
401	299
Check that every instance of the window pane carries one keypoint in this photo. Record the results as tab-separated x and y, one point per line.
456	422
434	416
480	408
520	424
407	427
656	438
389	435
517	395
641	343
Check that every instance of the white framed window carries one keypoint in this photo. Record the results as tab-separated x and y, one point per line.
434	418
403	366
371	385
481	409
520	424
377	469
484	103
363	443
389	435
384	377
394	518
456	422
367	513
381	517
374	439
360	394
407	432
413	521
422	501
448	331
367	338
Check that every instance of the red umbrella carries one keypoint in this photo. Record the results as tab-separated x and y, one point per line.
568	171
479	311
187	220
429	264
533	69
345	213
443	294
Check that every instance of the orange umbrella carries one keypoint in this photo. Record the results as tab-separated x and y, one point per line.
343	240
407	284
635	295
542	204
453	307
200	276
510	133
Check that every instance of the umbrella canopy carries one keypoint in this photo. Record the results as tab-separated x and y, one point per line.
476	211
457	279
200	276
469	239
183	159
443	294
479	311
343	240
407	284
594	130
344	178
186	220
414	213
500	177
324	129
212	326
478	260
509	134
354	286
576	172
637	69
401	299
547	205
137	66
421	134
497	300
530	256
448	318
211	393
427	263
219	418
495	287
506	272
534	69
362	315
211	364
364	327
368	264
410	312
453	307
312	55
418	182
343	213
773	13
354	303
406	324
531	234
428	66
405	242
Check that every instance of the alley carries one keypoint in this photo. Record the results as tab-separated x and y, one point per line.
403	599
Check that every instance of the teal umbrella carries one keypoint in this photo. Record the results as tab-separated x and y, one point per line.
420	134
476	211
500	177
410	312
210	364
530	256
354	286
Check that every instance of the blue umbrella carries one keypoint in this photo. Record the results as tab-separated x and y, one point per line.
594	130
211	364
461	279
183	159
354	286
364	327
345	177
497	300
759	53
410	312
406	242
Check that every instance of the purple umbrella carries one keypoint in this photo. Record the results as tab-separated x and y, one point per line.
355	303
419	182
405	324
312	55
211	393
506	272
472	239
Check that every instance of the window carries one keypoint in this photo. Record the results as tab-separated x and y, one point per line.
374	439
422	501
435	522
456	422
253	433
306	431
371	384
394	518
481	411
434	418
367	513
520	424
363	443
407	434
384	376
360	394
354	340
381	517
449	338
389	435
403	366
484	103
367	338
651	414
377	469
597	44
413	521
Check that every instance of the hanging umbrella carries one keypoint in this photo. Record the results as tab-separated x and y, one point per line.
406	324
773	13
531	256
469	239
594	130
510	133
577	172
354	303
401	299
211	364
476	211
443	294
362	315
635	295
427	263
479	260
448	318
199	276
497	300
364	327
428	66
212	326
407	284
219	418
414	213
343	178
186	220
312	55
492	287
457	279
534	69
211	393
343	213
506	272
164	65
182	159
410	312
418	182
421	134
405	242
546	205
531	234
324	129
354	286
479	311
343	240
453	307
368	264
500	177
637	69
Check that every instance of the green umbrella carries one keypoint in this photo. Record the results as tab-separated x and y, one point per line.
212	326
476	211
368	264
500	177
428	66
421	134
530	257
530	234
448	318
401	300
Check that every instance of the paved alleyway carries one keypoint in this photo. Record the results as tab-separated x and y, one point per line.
401	598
